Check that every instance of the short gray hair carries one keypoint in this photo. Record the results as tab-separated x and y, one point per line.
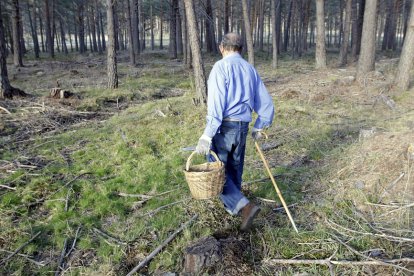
232	42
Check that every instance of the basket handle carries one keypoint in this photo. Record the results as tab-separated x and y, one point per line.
187	165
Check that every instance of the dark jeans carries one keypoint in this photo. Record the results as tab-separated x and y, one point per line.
230	144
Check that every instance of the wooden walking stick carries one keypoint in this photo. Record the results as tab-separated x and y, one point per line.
274	182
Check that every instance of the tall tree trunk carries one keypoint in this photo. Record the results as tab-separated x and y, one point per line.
96	22
135	28
102	32
226	16
152	29
17	46
274	35
131	35
172	49
5	88
41	32
287	27
402	79
343	54
366	62
93	29
198	65
112	64
81	28
248	31
33	28
357	32
49	37
62	35
209	23
261	24
179	38
141	25
219	15
161	26
320	35
75	25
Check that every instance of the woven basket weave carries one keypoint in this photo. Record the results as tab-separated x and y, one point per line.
205	180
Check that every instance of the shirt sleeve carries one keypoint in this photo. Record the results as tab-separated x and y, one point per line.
263	106
216	100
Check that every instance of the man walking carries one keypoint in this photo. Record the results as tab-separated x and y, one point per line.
235	90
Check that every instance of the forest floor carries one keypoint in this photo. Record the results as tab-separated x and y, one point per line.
100	175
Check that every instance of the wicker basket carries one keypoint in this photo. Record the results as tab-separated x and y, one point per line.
205	180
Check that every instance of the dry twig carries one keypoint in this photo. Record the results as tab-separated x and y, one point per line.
7	187
61	258
20	248
109	237
74	242
161	246
27	257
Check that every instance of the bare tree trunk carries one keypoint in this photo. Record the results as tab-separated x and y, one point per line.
131	34
366	62
226	16
261	24
198	64
102	32
49	37
5	88
96	22
33	28
17	46
135	28
62	35
248	31
402	79
112	64
41	32
161	27
179	38
343	54
274	35
141	25
320	36
287	27
81	28
152	29
93	28
357	29
172	49
210	26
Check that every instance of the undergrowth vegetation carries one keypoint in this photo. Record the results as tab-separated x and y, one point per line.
122	174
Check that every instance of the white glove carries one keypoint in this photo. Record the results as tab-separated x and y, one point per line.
203	146
257	133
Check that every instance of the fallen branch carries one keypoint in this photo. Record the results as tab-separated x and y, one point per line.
74	242
153	212
61	258
134	195
328	262
5	110
332	225
161	246
20	248
390	186
107	236
27	257
380	262
7	187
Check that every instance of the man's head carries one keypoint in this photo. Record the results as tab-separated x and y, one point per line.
231	42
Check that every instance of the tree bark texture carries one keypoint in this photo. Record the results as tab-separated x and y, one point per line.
402	79
366	61
343	54
320	35
49	37
5	88
198	64
248	32
112	65
274	35
33	29
17	46
172	49
131	35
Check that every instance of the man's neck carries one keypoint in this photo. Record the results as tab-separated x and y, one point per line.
227	53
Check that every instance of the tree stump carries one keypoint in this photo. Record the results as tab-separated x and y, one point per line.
58	93
202	254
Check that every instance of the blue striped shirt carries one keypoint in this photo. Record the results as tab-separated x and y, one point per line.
235	89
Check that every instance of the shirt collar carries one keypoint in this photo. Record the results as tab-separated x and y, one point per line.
235	54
